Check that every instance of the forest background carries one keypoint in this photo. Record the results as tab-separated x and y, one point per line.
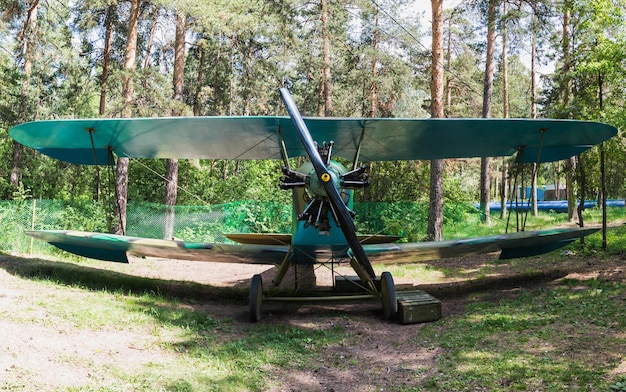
78	59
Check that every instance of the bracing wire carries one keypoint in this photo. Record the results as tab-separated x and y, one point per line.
161	176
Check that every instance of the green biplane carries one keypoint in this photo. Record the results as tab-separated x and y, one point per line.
324	231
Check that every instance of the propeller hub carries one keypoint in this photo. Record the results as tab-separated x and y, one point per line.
332	175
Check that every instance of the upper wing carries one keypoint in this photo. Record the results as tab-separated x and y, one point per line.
89	141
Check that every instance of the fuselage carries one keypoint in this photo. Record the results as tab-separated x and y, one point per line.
315	233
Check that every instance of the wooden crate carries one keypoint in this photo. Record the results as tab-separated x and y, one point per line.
417	307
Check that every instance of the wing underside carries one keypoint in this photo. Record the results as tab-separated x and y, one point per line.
94	141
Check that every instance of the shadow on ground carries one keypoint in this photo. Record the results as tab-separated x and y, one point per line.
102	279
92	278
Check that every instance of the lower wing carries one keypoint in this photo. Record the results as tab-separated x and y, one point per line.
111	247
513	245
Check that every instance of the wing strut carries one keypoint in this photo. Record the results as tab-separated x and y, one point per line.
357	156
520	165
283	148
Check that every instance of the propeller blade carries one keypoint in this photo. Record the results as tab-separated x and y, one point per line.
343	213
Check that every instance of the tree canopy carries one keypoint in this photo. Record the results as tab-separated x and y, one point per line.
361	58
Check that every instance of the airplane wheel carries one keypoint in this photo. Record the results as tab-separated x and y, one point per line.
388	290
256	298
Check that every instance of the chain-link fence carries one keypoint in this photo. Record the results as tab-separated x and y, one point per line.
192	223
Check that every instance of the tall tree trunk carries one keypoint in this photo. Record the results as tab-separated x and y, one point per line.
171	173
557	182
505	110
200	77
533	190
505	65
603	195
373	92
448	89
602	168
583	196
121	179
533	69
570	169
28	41
485	178
106	58
570	165
373	81
16	166
533	110
504	189
104	85
435	210
325	107
150	42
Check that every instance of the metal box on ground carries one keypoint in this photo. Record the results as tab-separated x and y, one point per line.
417	307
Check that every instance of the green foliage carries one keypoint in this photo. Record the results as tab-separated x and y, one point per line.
404	219
84	216
615	239
260	217
619	386
21	194
239	54
398	181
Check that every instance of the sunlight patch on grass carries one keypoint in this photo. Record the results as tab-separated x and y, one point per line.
422	272
502	321
87	309
192	374
478	355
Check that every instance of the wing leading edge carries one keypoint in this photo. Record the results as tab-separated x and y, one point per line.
110	247
90	141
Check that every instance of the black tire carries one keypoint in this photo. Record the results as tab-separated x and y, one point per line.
256	298
388	291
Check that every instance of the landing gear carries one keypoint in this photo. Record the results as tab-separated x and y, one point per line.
256	298
388	291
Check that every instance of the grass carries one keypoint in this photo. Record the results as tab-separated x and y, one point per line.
567	337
